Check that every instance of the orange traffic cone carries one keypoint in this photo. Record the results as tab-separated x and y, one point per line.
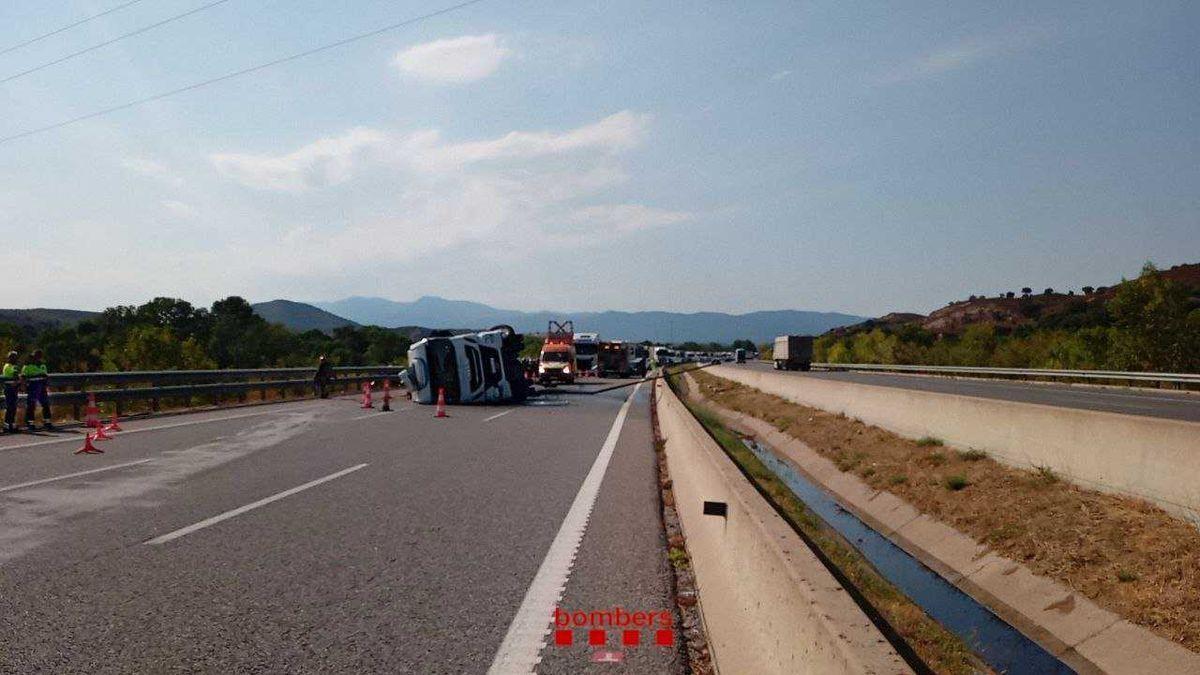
88	448
100	435
92	412
116	425
441	403
366	397
387	396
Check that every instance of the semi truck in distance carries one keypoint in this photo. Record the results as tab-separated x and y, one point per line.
739	355
793	352
587	351
614	359
481	367
557	360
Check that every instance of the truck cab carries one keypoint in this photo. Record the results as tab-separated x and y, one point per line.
479	367
587	351
614	359
557	360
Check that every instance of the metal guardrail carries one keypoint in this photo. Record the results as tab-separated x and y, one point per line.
1024	373
114	387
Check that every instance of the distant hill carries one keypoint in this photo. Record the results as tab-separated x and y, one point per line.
1038	309
657	326
39	319
299	316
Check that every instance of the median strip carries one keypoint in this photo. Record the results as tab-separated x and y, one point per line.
183	532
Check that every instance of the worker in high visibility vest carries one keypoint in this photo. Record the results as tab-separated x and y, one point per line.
10	375
37	377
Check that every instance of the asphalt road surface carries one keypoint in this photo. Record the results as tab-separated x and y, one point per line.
1171	405
316	536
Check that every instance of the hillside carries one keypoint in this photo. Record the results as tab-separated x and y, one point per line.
1149	323
657	326
299	316
38	319
1035	310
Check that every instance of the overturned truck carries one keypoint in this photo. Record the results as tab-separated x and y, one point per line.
481	367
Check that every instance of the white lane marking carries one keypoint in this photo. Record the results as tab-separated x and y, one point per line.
126	432
526	637
489	419
375	414
32	483
184	531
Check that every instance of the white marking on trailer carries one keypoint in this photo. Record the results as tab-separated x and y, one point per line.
521	650
207	522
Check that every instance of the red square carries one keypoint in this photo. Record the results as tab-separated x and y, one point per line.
563	638
597	637
664	637
631	638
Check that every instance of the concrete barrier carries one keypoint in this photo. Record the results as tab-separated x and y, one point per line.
1151	458
768	603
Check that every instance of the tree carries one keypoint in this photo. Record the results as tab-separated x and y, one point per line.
1048	291
1159	330
1027	291
1088	290
1010	295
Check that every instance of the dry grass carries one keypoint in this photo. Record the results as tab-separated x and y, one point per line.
1122	553
940	649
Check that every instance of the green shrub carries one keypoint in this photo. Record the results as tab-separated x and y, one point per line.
956	483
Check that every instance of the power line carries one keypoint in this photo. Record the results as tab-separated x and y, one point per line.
239	73
67	27
130	34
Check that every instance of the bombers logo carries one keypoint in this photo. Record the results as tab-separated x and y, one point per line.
627	627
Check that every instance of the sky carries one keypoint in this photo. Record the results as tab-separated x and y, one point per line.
862	157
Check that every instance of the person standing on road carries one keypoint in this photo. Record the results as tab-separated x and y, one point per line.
10	375
37	378
321	379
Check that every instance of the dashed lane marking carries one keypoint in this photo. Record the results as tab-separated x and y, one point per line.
184	531
43	481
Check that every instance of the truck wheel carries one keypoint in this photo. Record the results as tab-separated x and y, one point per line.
806	367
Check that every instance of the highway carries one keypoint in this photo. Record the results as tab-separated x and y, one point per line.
316	536
1165	404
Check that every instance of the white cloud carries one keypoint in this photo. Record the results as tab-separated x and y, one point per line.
328	161
153	169
965	53
626	217
779	75
416	193
178	208
456	60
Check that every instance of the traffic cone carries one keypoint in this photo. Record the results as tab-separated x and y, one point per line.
441	403
91	413
116	425
100	435
387	396
88	448
366	397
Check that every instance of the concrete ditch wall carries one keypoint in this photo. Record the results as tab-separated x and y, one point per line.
769	604
1155	459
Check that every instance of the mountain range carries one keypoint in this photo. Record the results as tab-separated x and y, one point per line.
438	312
416	318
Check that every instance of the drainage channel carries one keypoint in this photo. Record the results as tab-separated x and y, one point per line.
1001	646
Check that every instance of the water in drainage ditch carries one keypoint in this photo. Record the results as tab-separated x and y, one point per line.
1000	645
